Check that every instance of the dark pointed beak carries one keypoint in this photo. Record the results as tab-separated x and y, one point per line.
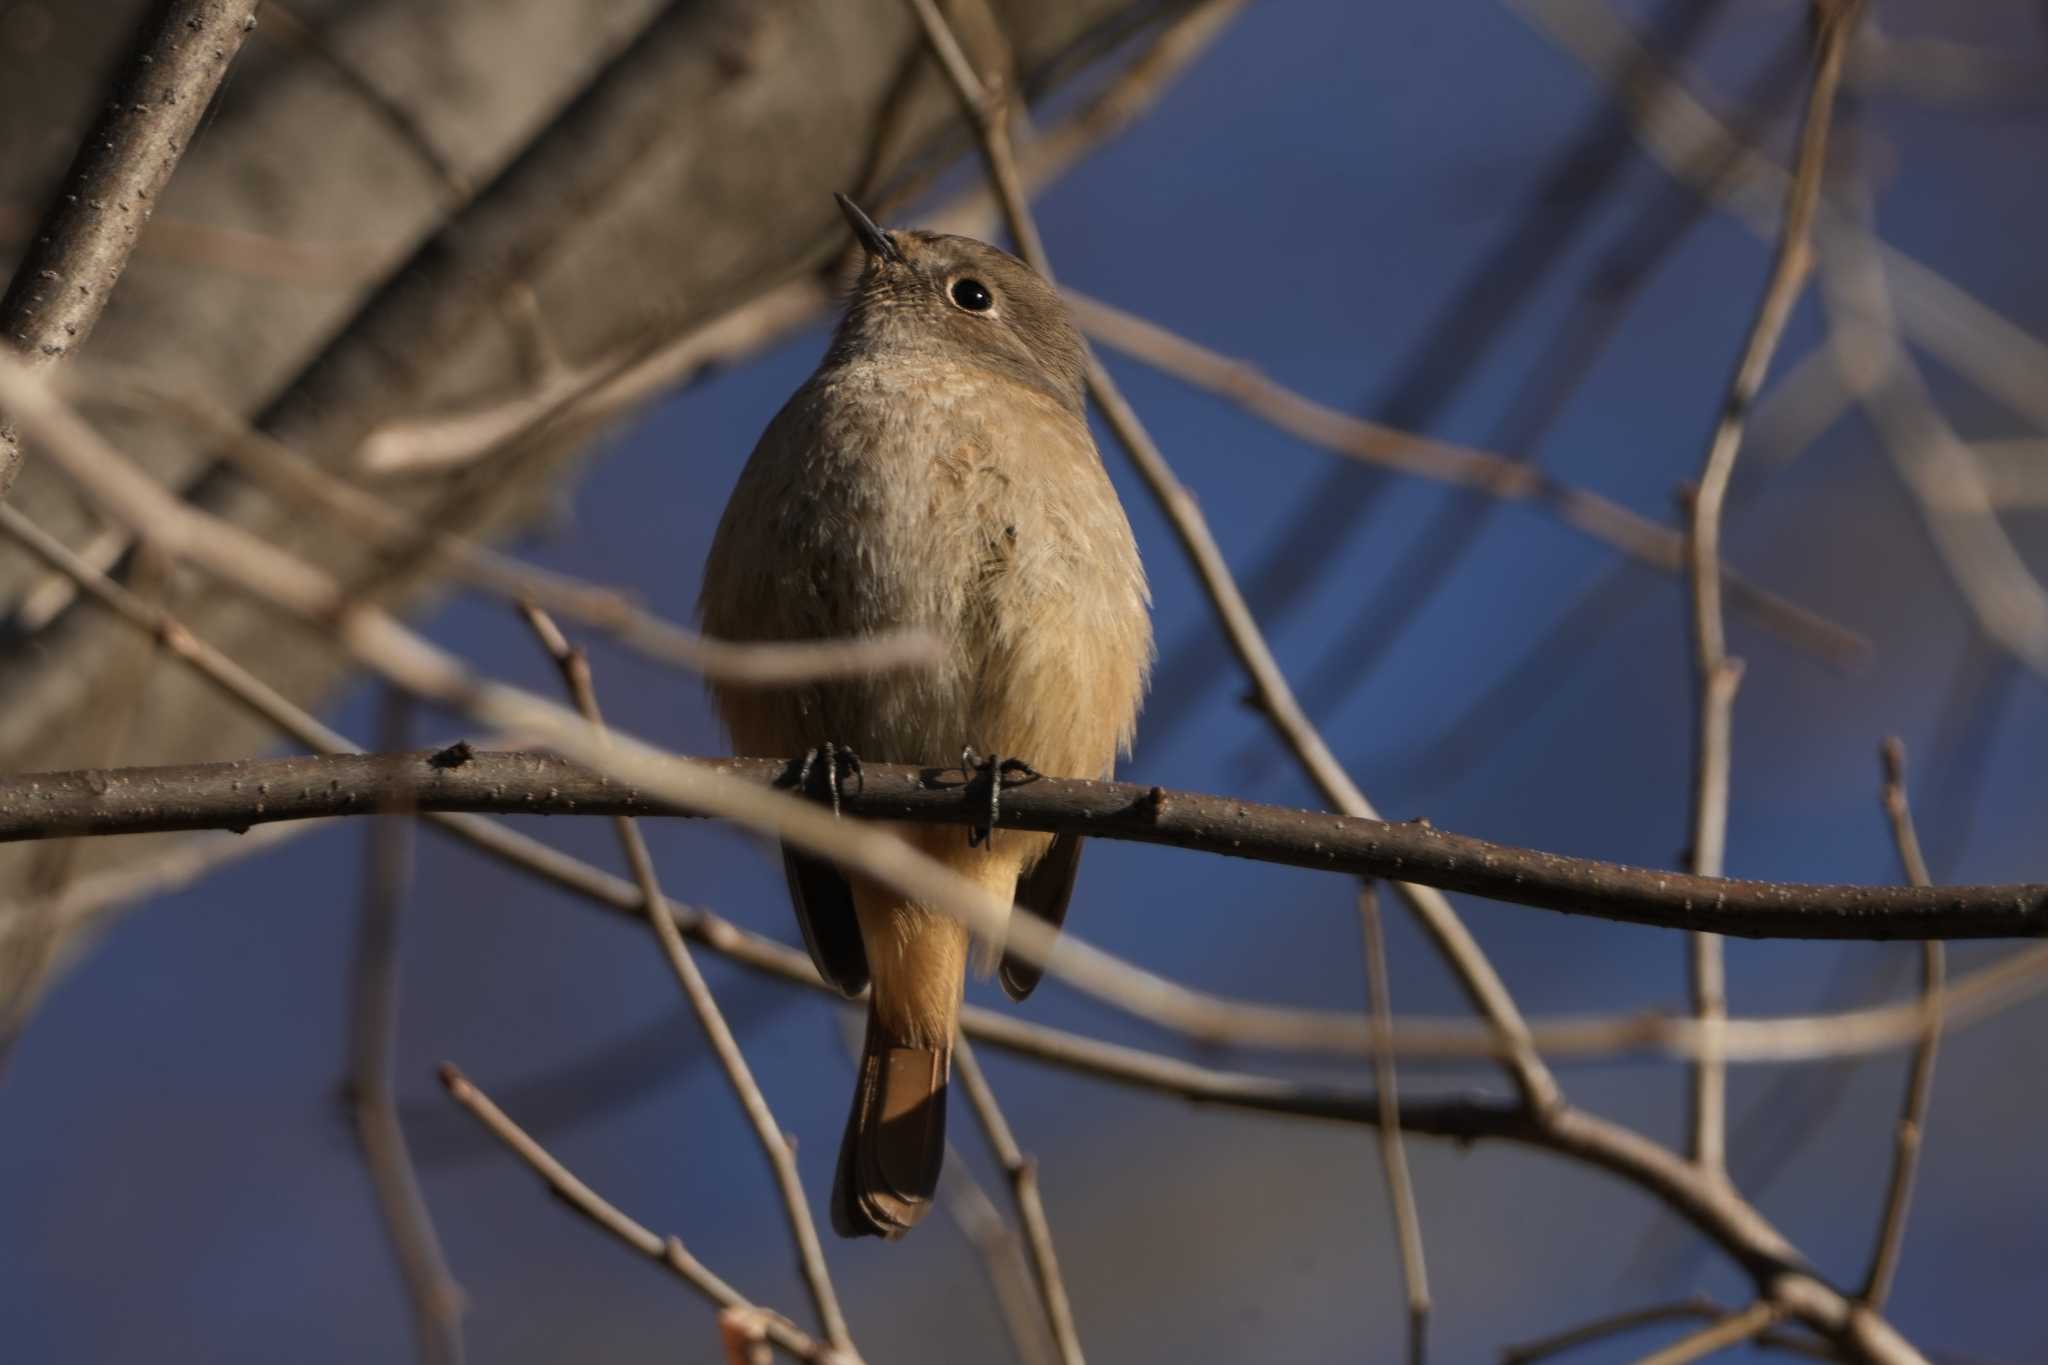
873	240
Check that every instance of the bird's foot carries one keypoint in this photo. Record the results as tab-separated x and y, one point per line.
831	761
995	770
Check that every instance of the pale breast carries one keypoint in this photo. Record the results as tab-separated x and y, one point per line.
939	496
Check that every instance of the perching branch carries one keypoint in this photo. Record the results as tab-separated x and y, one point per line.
1715	1208
1988	990
257	791
78	253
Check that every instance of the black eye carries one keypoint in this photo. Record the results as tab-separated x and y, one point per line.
973	295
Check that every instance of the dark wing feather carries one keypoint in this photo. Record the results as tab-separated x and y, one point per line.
1043	891
824	911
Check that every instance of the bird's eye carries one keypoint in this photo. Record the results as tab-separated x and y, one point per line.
973	295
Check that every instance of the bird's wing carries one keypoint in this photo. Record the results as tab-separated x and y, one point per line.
824	911
1044	892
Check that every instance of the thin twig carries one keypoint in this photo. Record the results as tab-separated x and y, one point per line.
1681	132
1730	1331
588	1202
744	1335
1475	973
1788	1342
1379	999
1592	514
34	938
1002	1256
1891	1237
289	475
1718	674
575	669
1706	971
1613	1324
1949	488
1810	396
437	1299
1023	1174
76	256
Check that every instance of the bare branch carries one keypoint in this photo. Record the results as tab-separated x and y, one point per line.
1641	539
1678	129
291	476
1002	1255
1949	488
575	669
2015	471
588	1202
33	939
437	1300
1711	1206
257	791
1720	675
1891	1237
1698	1306
1706	974
1614	1324
78	253
745	1337
1023	1174
1682	133
1730	1331
1379	996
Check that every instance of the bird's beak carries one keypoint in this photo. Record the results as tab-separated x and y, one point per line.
873	240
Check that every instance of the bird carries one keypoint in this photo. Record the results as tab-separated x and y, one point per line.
935	472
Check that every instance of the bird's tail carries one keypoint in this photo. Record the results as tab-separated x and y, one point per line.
895	1139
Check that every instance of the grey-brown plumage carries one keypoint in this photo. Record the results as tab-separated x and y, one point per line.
936	471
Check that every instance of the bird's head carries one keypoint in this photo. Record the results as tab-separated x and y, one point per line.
932	296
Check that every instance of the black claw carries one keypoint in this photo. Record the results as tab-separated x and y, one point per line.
995	770
837	758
